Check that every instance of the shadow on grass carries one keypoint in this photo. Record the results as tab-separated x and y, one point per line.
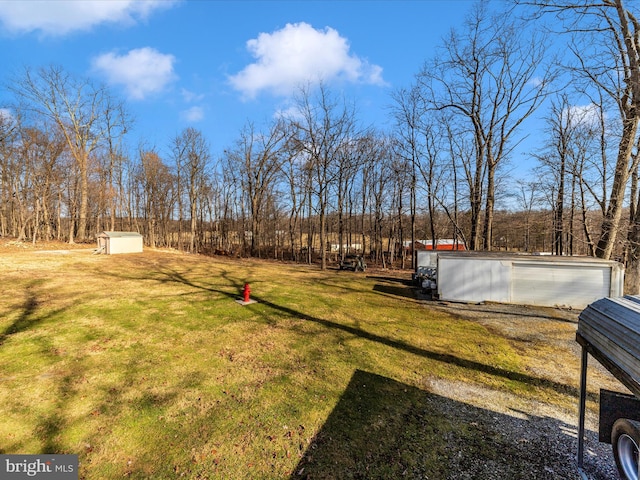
562	388
51	425
122	398
403	281
29	316
505	310
25	320
437	356
394	290
382	429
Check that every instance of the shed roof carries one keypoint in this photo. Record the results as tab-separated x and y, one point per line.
515	256
119	234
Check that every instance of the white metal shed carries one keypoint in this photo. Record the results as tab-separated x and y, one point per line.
119	242
543	280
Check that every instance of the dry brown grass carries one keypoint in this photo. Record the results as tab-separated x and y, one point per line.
146	367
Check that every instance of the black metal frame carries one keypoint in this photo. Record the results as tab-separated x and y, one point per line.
613	401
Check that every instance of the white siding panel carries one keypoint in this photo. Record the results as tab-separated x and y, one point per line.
125	245
559	285
461	279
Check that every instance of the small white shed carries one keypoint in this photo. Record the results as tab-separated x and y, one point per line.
544	280
111	243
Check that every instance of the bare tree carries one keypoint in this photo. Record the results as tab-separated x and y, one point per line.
527	199
605	43
432	170
156	185
322	127
492	78
258	158
408	111
8	134
380	173
79	109
40	151
117	123
574	163
294	172
351	156
230	200
554	159
460	180
191	156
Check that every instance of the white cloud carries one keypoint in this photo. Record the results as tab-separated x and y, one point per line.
537	82
190	96
586	115
60	17
141	72
193	114
298	54
6	116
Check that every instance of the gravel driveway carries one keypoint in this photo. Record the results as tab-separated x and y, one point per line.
539	438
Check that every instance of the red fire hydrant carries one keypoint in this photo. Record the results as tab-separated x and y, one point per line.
246	291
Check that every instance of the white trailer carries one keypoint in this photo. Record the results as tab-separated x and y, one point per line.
544	280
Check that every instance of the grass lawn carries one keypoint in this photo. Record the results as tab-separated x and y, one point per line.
146	367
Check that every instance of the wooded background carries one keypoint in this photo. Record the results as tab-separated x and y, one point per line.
315	184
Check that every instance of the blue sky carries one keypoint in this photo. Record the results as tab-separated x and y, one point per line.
215	65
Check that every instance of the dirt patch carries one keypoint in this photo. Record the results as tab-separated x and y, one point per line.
15	246
34	254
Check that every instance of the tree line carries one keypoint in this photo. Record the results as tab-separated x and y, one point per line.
315	184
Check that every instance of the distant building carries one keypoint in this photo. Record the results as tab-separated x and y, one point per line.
354	247
441	244
111	243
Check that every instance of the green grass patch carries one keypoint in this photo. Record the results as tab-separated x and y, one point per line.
146	367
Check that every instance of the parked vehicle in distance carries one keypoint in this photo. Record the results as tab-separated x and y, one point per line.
353	262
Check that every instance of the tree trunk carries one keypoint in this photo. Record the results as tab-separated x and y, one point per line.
613	215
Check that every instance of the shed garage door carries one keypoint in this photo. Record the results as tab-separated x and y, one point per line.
548	284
